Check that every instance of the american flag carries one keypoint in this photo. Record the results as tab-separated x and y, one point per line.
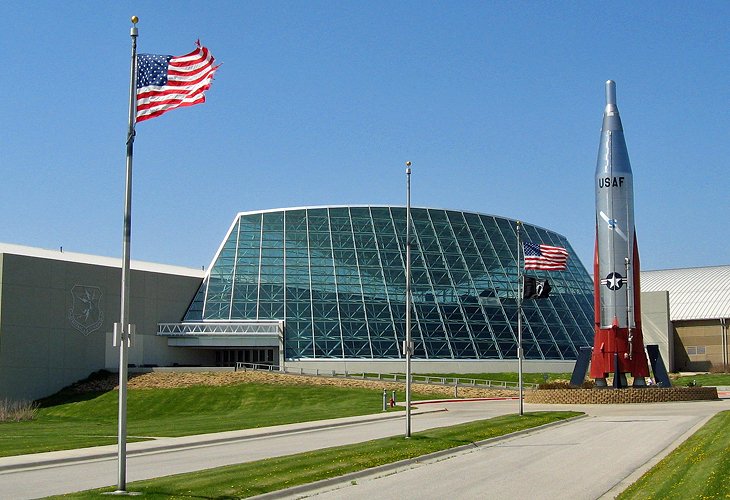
169	82
545	257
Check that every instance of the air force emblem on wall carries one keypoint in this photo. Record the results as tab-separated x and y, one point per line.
86	314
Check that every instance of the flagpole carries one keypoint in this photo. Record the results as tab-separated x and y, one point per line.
122	333
408	343
519	315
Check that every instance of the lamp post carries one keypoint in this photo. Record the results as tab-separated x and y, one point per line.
407	347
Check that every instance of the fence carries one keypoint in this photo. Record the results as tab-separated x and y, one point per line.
389	377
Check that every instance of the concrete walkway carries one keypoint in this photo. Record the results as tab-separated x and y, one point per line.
585	458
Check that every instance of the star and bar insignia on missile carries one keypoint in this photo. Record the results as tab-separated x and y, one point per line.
613	281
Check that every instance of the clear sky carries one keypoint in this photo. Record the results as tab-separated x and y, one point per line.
497	104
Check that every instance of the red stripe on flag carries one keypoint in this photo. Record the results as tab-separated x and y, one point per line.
188	77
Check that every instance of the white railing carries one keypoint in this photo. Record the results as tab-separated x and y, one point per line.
220	328
388	377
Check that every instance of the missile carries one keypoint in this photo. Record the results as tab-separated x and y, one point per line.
618	342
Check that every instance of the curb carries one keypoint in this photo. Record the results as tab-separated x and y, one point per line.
327	484
619	487
465	400
29	462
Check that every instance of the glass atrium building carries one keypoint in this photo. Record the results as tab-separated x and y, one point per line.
334	279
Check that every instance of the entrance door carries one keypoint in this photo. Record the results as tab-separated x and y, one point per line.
252	357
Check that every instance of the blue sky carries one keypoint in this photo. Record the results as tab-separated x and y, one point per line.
497	104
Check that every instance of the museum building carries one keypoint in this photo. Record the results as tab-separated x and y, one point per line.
310	286
335	278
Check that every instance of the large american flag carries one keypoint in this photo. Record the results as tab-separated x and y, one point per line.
545	257
169	82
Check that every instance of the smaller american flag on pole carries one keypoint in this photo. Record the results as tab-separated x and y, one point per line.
545	257
169	82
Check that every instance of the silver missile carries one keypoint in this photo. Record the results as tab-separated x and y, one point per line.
614	219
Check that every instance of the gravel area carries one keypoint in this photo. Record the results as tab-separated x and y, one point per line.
163	380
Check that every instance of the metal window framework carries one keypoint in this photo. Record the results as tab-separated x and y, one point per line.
569	318
504	273
491	282
359	280
382	274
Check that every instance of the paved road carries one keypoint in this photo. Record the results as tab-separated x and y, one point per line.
582	459
33	476
589	458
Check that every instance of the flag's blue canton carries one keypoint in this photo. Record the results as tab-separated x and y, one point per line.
532	250
152	70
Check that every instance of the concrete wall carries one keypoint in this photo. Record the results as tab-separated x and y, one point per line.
156	298
49	338
701	344
655	325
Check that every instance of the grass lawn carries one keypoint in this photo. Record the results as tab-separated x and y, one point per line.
529	378
254	478
65	422
703	379
699	468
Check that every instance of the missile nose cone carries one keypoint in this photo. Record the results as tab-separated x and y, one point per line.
611	92
611	107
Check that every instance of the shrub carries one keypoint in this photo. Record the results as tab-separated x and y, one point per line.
720	368
565	384
17	411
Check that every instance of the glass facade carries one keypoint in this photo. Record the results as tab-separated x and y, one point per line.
336	277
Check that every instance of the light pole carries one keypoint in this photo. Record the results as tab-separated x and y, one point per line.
407	347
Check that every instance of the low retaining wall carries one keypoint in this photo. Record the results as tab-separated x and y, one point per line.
620	396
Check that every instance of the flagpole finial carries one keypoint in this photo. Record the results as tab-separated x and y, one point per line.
133	30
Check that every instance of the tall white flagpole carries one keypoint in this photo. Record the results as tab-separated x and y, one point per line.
519	314
408	343
122	334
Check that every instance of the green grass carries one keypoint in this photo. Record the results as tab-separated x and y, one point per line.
529	378
703	379
698	469
254	478
65	422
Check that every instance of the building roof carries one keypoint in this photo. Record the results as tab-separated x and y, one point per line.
694	293
82	258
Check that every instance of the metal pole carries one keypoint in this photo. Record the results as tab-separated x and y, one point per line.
519	315
630	335
722	345
408	342
123	329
